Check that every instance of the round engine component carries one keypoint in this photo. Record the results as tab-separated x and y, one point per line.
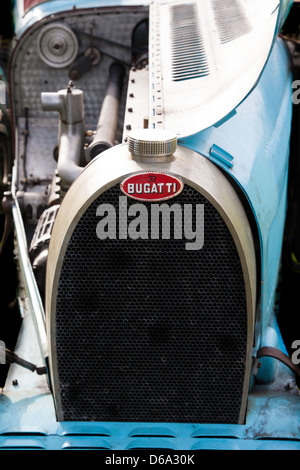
57	45
94	54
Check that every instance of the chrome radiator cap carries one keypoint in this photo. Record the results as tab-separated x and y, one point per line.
152	143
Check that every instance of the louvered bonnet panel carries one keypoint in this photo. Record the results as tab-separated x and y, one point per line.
206	55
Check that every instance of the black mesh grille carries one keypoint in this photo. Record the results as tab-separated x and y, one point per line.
148	331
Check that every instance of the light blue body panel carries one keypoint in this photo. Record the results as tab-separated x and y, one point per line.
24	21
28	421
258	139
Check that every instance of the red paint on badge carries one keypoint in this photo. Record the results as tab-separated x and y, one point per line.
28	4
152	186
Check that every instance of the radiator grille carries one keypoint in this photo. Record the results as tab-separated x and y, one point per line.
148	331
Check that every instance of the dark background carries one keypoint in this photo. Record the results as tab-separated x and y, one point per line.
6	28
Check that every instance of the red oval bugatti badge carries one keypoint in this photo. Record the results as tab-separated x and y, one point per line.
152	186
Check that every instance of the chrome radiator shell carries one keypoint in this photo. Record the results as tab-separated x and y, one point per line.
110	169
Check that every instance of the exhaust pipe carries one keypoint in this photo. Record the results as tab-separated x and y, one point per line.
108	119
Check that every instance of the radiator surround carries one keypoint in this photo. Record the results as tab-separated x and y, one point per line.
102	174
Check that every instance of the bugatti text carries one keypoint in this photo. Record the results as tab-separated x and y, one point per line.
160	221
151	188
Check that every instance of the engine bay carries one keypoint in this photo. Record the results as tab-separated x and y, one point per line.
99	62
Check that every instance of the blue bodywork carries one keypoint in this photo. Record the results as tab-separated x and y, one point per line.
252	146
257	139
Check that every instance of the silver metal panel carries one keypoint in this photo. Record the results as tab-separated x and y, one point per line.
31	76
137	105
205	57
42	139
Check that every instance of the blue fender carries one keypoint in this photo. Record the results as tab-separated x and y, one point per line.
252	146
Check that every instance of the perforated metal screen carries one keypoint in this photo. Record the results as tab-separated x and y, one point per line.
148	331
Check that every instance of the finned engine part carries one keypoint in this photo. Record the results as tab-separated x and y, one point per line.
39	247
108	120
